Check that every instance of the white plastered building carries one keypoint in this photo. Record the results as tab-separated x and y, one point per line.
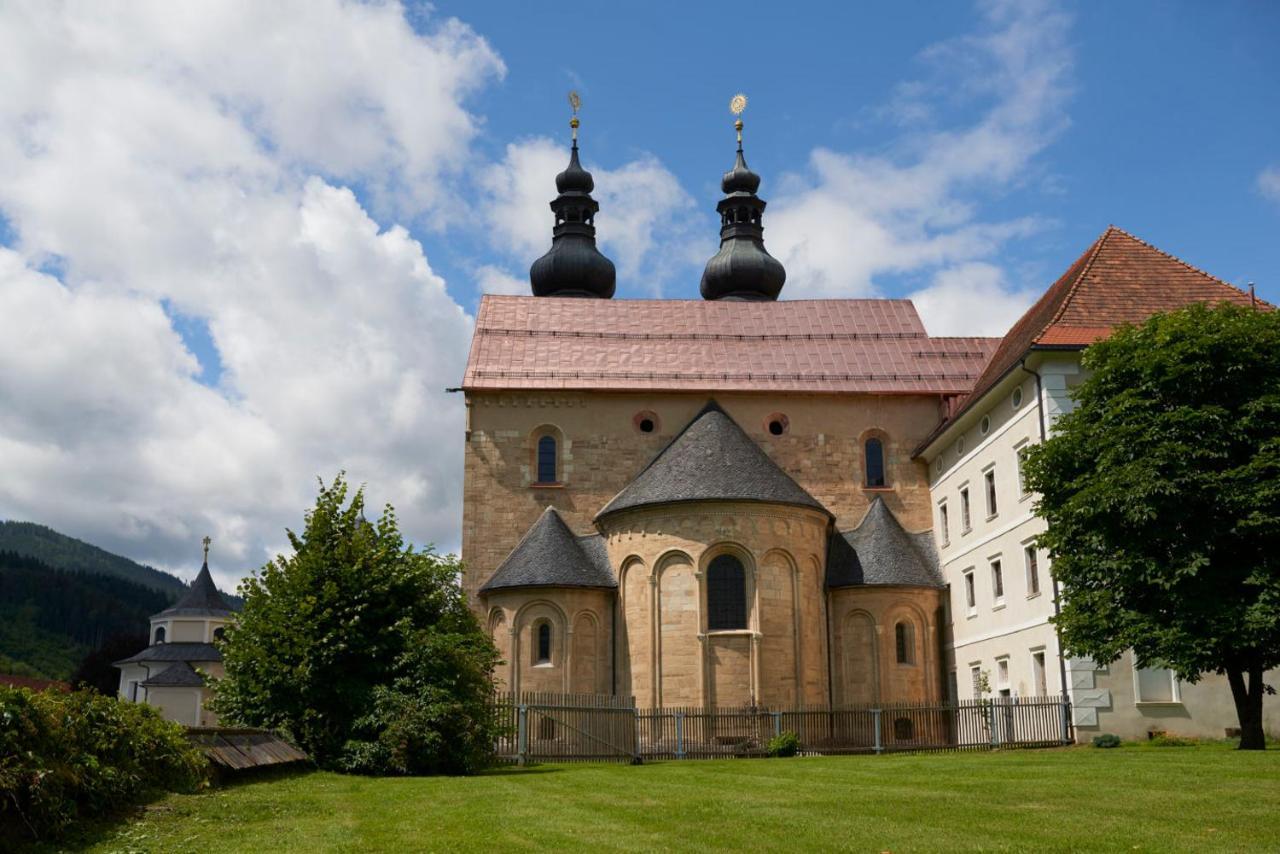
168	673
1001	591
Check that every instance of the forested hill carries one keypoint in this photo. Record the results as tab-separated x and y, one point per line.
62	552
50	618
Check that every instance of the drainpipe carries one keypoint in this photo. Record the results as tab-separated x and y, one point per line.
1057	606
831	683
613	647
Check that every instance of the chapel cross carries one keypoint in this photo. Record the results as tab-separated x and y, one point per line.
206	542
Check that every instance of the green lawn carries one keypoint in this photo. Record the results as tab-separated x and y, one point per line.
1134	798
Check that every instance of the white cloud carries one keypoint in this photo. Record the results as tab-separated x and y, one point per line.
643	209
852	218
971	299
195	156
495	280
1269	183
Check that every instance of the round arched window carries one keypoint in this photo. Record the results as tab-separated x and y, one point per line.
1017	397
986	425
159	634
777	424
960	447
726	594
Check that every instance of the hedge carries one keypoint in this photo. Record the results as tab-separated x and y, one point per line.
65	757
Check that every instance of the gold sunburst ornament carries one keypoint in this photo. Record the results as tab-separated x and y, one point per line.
737	104
575	103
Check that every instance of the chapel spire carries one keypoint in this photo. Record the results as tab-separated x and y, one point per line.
742	269
573	267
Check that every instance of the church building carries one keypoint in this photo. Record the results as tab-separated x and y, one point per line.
748	501
170	673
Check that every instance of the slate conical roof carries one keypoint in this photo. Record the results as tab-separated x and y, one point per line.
202	599
551	555
879	551
712	459
179	674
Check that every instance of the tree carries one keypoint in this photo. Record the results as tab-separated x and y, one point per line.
330	647
97	671
1161	490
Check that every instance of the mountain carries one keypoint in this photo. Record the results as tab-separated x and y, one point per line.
63	552
50	618
62	598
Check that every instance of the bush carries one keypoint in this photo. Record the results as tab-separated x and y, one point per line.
1107	739
784	744
361	649
66	757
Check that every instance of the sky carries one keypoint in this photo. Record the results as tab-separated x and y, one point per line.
242	243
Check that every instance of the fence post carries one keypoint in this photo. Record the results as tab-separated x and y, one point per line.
679	735
1065	706
522	735
777	724
875	715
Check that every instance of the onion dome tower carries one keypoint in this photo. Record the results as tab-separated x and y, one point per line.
573	267
742	269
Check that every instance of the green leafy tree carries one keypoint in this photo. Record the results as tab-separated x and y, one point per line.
361	649
1161	490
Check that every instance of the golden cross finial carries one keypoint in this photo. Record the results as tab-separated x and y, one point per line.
575	101
737	104
206	542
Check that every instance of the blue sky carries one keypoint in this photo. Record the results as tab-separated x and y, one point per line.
242	243
1173	111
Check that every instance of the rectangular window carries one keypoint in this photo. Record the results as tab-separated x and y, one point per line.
1002	676
1033	570
964	510
990	479
943	527
970	592
975	674
997	581
1156	685
1022	481
1037	673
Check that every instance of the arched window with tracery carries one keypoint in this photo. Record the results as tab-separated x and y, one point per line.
874	457
726	594
547	459
904	641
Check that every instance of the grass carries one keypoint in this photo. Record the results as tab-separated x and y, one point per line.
1139	798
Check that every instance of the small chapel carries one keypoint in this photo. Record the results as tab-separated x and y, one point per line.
705	502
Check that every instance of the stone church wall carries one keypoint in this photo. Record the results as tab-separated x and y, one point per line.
865	668
602	449
581	630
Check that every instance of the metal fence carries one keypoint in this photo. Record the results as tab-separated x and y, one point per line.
594	728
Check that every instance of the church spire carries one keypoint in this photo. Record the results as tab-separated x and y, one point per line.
742	269
574	266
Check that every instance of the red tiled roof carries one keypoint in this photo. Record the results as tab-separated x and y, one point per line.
867	345
1119	279
35	684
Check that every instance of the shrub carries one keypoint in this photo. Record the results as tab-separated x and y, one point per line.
66	757
1107	739
784	744
361	649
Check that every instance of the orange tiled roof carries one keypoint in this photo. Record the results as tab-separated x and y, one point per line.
1119	279
865	346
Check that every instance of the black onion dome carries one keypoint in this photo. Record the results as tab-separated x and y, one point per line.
573	267
575	179
740	179
742	269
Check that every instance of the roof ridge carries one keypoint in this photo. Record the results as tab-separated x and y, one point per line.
1092	252
1172	257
